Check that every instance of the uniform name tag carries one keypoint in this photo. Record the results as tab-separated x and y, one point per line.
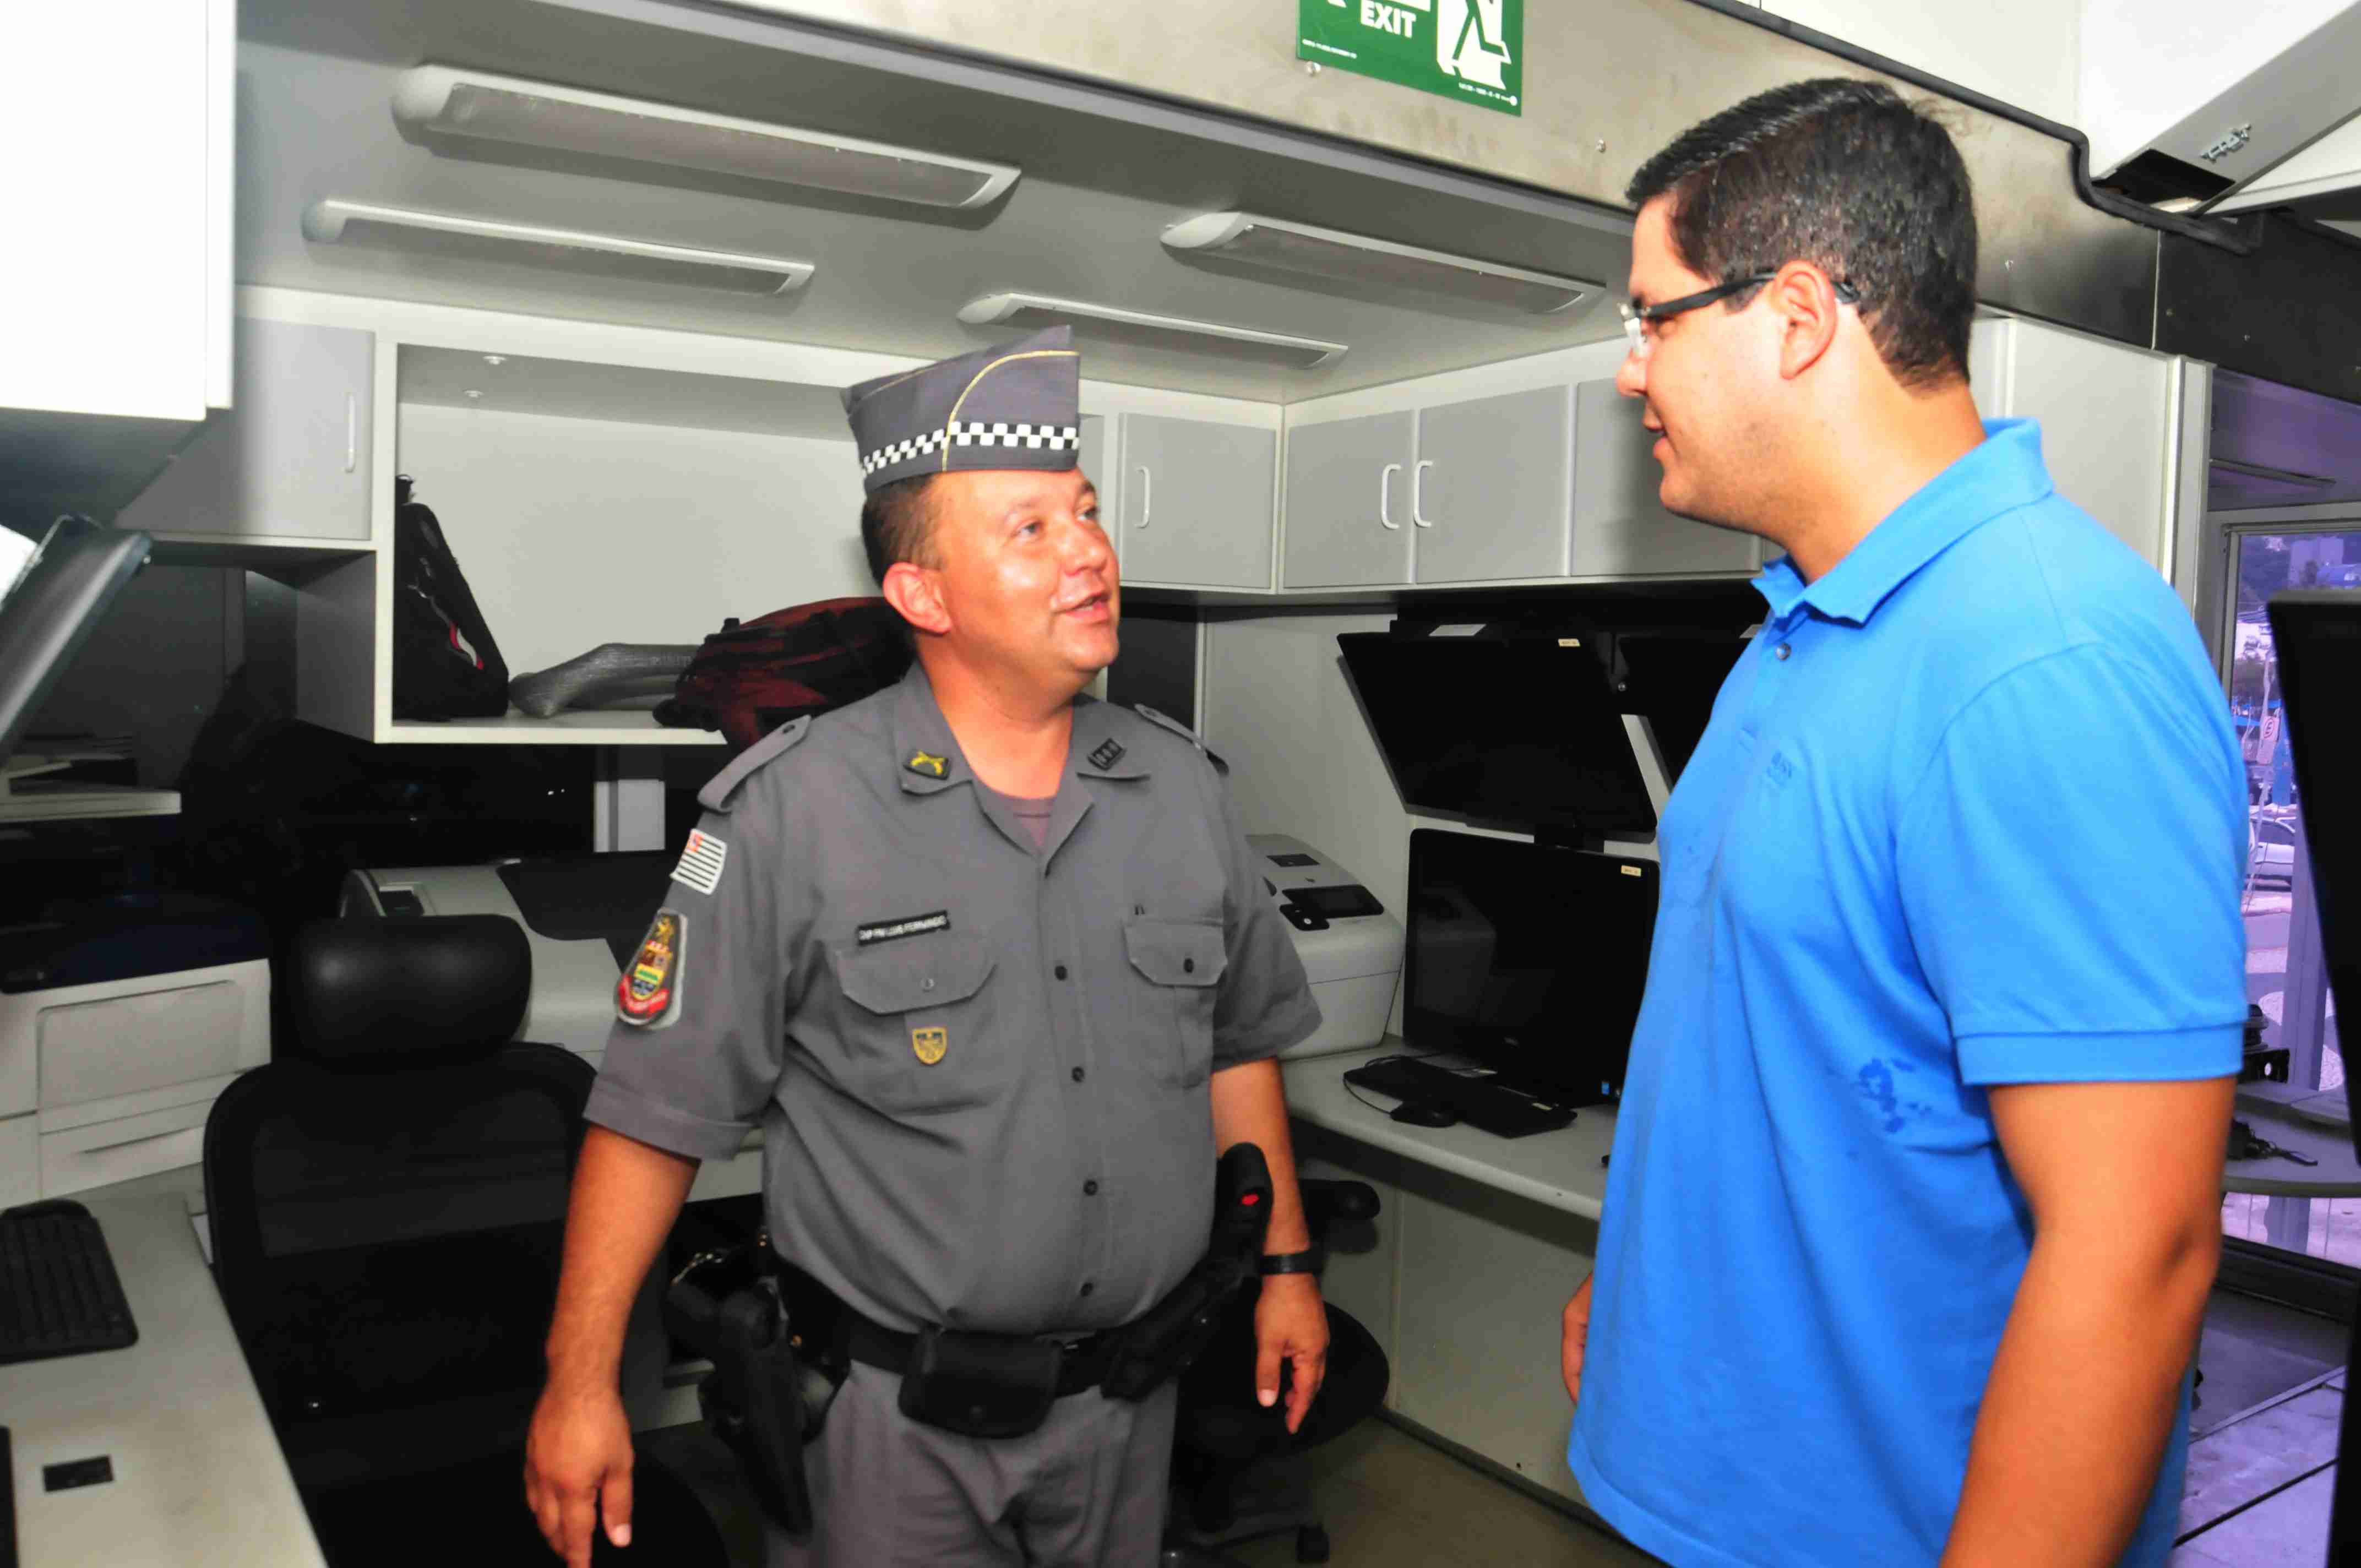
917	925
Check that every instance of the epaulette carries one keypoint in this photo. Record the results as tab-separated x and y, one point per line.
715	795
1165	721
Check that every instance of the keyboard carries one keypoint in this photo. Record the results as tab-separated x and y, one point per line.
58	1293
1478	1101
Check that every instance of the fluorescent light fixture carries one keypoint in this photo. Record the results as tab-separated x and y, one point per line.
332	221
1140	329
1352	257
450	102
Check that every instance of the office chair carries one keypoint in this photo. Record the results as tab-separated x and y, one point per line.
387	1202
1236	1471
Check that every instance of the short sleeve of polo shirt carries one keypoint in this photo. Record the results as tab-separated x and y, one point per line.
694	1076
1265	1003
2070	866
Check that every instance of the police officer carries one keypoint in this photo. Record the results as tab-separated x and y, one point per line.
989	963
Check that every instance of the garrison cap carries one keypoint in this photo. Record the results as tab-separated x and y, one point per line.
1017	406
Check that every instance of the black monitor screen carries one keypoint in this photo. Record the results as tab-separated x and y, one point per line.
52	612
1525	731
2316	634
1529	958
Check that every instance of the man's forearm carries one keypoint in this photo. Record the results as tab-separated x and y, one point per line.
1250	1107
626	1196
2082	1401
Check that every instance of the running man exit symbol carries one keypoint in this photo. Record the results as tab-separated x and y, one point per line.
1471	43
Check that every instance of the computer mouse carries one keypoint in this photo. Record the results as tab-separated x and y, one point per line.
1417	1113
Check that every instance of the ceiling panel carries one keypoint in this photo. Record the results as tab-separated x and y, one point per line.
316	83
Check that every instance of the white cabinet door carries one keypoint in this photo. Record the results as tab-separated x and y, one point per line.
1487	491
2109	423
1104	474
291	459
1348	503
1197	502
1621	529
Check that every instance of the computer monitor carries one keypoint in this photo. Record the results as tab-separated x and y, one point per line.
54	607
1529	958
1524	732
2316	634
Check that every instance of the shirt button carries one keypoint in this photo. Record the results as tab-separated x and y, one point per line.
1784	651
928	983
1061	971
1090	1188
1087	1288
1188	966
1078	1075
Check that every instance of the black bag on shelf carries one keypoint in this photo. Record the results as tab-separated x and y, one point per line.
445	664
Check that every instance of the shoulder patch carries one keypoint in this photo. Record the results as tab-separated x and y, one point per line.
716	795
1165	721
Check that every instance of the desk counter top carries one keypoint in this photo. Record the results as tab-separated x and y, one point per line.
199	1480
2338	1174
1564	1170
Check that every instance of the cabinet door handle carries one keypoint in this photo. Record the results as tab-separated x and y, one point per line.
1386	496
1418	493
1146	495
352	432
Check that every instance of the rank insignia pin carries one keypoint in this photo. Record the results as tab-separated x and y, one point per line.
1107	755
927	763
930	1044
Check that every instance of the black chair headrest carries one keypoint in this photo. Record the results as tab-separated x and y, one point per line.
415	992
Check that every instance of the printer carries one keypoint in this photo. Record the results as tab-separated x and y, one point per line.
583	914
1351	947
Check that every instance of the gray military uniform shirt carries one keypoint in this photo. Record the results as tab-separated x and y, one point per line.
979	1067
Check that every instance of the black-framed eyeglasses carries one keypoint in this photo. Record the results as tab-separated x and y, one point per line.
1636	317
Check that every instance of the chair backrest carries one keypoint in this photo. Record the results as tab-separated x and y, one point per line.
388	1197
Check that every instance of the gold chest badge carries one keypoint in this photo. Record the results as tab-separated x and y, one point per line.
930	1044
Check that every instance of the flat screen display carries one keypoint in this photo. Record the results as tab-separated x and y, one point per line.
1521	731
1529	958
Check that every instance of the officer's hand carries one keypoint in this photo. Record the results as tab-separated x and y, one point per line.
1290	1324
1576	1339
577	1457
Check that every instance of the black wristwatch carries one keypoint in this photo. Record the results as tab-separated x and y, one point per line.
1311	1261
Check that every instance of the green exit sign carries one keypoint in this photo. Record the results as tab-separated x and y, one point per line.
1470	50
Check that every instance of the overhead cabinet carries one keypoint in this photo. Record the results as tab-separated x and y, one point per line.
1348	502
292	459
1621	529
1487	493
1462	492
1196	502
1536	485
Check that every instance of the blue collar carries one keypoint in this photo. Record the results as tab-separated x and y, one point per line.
2001	474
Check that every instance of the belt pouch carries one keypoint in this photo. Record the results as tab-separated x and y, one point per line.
980	1385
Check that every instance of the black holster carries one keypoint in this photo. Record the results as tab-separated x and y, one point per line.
1175	1331
760	1399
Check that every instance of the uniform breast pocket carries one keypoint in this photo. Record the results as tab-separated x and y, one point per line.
917	1034
1178	964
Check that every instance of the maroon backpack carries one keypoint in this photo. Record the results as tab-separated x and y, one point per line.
751	676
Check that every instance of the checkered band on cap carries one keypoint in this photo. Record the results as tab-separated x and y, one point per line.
965	433
1018	406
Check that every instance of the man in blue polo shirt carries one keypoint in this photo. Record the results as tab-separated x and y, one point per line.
1915	1199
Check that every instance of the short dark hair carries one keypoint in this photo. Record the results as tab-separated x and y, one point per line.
1846	175
896	524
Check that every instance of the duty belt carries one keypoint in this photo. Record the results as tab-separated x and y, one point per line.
1083	1365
